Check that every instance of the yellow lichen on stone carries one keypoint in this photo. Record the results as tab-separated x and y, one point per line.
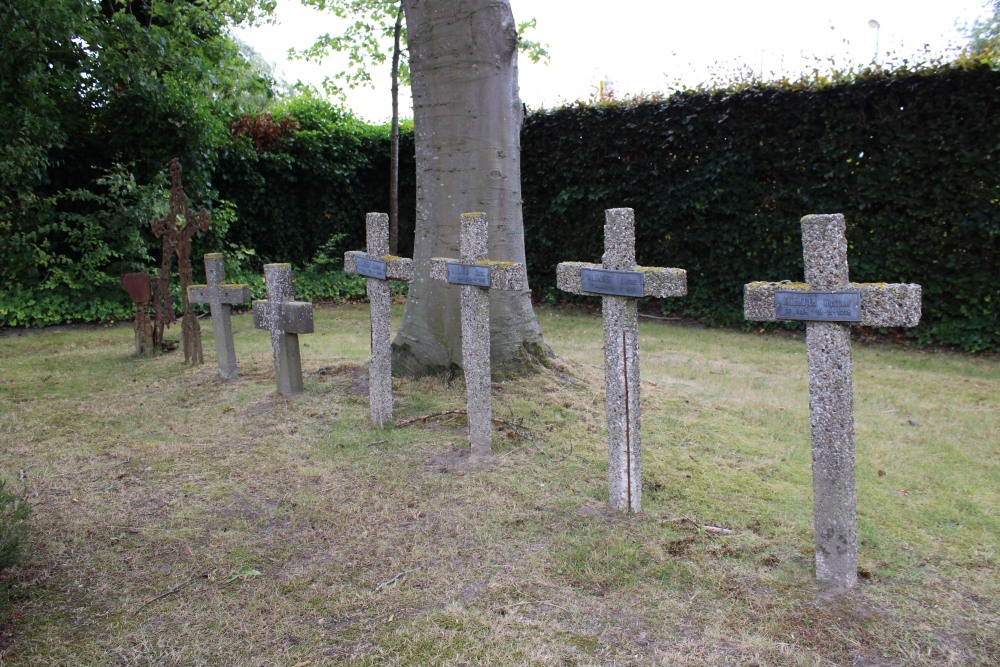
213	255
472	215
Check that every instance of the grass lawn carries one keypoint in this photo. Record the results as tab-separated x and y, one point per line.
183	521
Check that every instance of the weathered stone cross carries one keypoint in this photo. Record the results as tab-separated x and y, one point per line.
621	284
219	296
285	319
829	303
378	266
477	276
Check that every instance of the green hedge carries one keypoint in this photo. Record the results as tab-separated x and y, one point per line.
719	181
310	192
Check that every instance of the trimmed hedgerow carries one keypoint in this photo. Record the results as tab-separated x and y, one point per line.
719	181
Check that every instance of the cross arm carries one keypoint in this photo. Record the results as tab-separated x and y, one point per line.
504	276
396	268
228	293
657	281
294	317
882	304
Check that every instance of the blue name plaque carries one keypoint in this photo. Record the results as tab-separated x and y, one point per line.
468	274
815	306
616	283
372	268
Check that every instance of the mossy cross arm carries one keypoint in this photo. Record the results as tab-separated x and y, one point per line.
656	281
882	304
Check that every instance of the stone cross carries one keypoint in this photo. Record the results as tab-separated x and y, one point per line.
829	303
285	319
137	286
478	276
621	284
219	296
379	267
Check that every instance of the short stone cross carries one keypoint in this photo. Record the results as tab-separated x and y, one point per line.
220	296
478	276
621	284
829	304
378	266
137	286
285	319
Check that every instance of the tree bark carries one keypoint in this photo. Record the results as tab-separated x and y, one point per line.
467	118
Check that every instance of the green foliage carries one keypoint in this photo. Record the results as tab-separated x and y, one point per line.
719	181
307	195
95	99
367	41
984	37
14	513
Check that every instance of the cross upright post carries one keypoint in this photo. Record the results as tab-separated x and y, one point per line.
829	303
478	276
621	284
220	296
378	266
285	319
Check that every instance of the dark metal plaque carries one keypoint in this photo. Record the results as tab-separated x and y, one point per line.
468	274
617	283
371	268
817	306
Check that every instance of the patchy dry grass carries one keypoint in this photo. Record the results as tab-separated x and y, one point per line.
183	521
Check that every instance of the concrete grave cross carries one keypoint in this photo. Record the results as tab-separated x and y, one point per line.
478	276
285	319
220	296
378	266
621	284
829	303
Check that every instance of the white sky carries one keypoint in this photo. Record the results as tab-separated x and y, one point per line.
651	45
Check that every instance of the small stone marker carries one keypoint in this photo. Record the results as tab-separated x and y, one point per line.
829	303
285	319
219	297
620	282
137	286
378	266
477	276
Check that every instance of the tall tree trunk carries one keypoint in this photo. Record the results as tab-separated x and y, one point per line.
467	118
394	140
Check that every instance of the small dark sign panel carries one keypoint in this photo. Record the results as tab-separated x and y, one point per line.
372	268
468	274
818	306
617	283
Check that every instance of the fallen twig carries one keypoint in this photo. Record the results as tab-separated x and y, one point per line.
716	529
456	411
177	589
522	604
424	418
395	580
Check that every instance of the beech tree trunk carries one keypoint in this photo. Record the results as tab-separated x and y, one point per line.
467	118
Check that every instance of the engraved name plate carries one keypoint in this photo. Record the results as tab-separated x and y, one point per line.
817	306
468	274
372	268
617	283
